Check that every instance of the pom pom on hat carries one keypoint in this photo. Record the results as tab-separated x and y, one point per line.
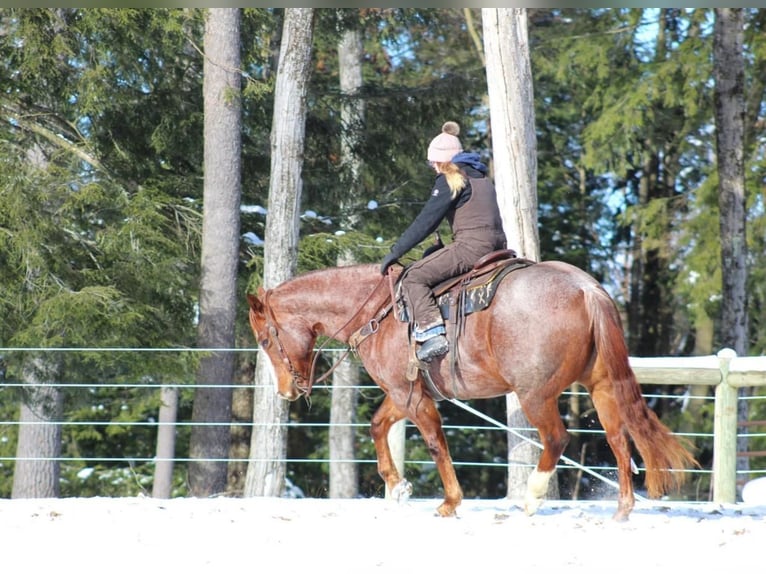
446	145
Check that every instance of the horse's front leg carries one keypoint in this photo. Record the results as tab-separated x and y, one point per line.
385	417
429	422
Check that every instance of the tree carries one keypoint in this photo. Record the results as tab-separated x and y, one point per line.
38	468
729	69
162	487
512	120
344	479
514	144
266	470
209	446
94	251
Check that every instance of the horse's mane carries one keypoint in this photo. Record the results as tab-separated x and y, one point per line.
360	270
332	280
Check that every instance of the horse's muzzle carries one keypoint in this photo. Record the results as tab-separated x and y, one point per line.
292	396
292	393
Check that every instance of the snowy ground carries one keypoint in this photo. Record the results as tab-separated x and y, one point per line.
360	536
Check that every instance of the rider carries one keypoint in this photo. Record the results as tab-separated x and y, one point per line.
465	195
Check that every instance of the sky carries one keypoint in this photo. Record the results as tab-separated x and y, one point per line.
375	535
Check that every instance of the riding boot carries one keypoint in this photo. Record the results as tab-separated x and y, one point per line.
433	347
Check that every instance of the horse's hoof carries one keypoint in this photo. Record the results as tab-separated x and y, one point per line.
532	504
402	491
624	508
446	510
621	515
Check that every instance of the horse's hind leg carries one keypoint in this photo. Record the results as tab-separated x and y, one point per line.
385	417
617	437
554	437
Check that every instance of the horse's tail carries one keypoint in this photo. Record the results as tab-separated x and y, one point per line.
665	456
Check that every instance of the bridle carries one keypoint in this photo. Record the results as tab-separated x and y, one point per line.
305	383
272	327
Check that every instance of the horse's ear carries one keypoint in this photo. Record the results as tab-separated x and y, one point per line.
255	302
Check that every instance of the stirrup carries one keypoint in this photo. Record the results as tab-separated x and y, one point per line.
433	347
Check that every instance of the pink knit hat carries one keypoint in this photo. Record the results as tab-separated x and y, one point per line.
445	146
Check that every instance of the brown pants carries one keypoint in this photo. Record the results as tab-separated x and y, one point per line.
422	276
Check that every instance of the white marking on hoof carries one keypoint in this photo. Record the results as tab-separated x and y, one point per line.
537	486
402	491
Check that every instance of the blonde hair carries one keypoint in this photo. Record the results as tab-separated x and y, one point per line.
455	177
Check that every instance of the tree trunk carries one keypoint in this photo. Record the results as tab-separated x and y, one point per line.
37	470
344	475
268	449
242	427
512	118
514	146
209	444
729	72
166	443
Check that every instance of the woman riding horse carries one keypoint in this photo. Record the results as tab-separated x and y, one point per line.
465	196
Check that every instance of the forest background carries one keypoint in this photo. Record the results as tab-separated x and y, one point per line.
101	199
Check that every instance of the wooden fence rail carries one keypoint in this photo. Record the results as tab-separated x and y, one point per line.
727	373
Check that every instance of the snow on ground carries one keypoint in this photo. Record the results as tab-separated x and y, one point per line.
361	536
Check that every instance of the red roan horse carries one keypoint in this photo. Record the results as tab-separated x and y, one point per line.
549	325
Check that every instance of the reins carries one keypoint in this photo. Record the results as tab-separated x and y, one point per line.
372	324
309	382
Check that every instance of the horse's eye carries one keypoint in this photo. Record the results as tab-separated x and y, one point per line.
265	343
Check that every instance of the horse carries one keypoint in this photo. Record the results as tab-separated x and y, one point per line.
550	324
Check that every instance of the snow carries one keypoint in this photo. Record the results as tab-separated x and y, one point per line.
754	491
252	238
374	535
259	209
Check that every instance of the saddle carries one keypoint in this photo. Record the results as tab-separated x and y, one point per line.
473	291
458	297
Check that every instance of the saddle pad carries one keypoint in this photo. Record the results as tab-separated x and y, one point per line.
478	294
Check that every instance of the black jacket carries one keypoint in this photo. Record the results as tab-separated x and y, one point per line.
438	206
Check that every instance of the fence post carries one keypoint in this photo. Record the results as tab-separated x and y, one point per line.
725	434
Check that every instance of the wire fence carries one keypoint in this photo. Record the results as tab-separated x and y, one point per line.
121	418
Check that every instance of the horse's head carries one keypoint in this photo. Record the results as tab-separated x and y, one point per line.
287	344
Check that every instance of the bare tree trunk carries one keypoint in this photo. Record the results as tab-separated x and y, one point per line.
729	72
514	146
268	449
512	115
344	475
37	470
166	443
209	444
241	428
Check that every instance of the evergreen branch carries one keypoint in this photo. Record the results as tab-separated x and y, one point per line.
27	122
224	67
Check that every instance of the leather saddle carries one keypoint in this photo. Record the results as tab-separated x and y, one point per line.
473	291
458	297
